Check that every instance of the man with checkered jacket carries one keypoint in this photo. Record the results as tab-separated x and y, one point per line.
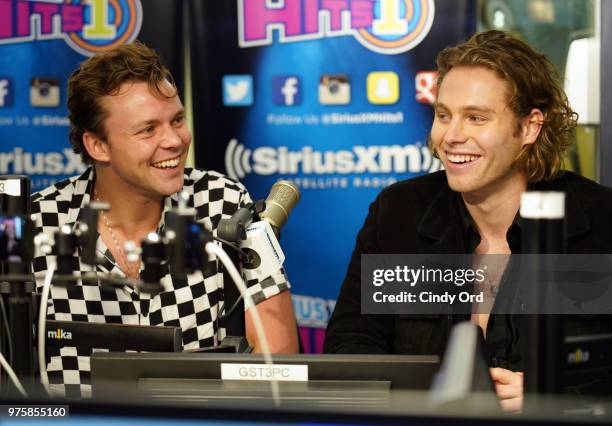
128	124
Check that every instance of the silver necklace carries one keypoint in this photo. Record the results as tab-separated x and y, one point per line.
128	270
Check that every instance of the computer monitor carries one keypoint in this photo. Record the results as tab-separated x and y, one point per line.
196	377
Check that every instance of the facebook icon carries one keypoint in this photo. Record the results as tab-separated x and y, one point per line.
6	92
286	90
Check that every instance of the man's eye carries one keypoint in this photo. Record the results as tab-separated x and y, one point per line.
178	120
148	129
441	115
477	118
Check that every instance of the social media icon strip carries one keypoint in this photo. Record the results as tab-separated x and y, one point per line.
237	90
286	90
383	87
334	89
6	92
44	92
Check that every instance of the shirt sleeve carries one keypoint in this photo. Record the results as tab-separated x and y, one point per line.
349	331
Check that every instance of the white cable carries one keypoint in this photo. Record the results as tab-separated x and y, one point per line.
12	375
42	319
215	250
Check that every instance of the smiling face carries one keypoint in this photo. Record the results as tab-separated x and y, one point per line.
147	141
476	134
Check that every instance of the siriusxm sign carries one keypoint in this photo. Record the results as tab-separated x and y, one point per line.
41	163
312	311
270	160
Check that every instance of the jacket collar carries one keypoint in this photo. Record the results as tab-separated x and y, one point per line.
442	218
442	223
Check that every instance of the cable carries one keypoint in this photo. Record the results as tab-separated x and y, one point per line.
215	250
226	315
234	247
9	337
42	318
12	376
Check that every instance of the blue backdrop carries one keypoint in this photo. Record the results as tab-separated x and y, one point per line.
41	43
334	95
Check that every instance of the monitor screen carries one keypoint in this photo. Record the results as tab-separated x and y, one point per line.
198	377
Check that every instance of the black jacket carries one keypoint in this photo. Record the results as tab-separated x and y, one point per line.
421	215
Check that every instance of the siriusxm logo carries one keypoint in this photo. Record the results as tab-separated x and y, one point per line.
59	334
312	311
41	163
269	160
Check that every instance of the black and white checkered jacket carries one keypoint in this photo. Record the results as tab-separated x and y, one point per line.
192	303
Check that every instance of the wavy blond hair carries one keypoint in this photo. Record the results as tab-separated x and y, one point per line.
532	82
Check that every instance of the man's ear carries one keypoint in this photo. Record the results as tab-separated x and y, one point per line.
97	149
532	126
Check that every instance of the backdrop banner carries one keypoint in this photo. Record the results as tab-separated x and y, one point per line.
41	43
334	95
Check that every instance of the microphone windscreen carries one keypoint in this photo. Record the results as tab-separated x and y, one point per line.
284	195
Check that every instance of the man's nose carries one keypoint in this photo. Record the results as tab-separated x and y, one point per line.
455	132
171	137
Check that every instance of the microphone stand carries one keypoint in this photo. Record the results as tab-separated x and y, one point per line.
274	210
18	288
187	239
16	283
234	321
542	331
234	231
187	254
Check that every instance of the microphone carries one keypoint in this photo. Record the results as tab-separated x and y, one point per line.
284	195
261	243
541	335
261	254
153	253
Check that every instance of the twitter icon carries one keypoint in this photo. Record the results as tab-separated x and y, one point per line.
237	90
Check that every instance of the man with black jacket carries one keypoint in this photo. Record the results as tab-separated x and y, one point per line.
502	125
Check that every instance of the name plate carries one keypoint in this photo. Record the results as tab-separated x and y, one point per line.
10	187
281	372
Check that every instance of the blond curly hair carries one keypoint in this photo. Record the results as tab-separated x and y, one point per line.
533	82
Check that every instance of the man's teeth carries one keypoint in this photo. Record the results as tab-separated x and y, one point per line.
461	158
166	164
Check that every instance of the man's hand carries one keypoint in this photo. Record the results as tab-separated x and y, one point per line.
509	388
